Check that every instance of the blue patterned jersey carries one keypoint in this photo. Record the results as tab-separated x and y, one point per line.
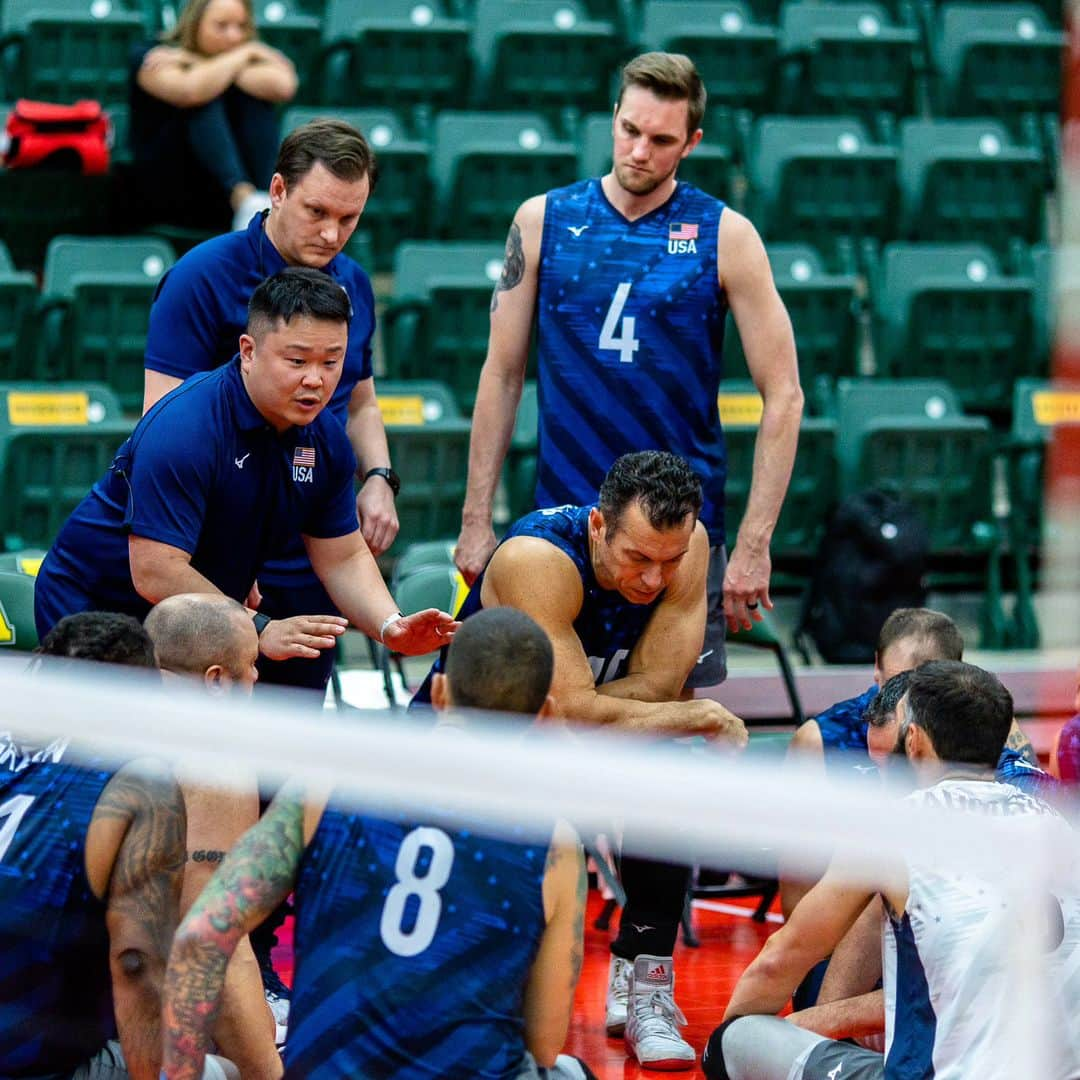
55	988
413	944
608	625
631	328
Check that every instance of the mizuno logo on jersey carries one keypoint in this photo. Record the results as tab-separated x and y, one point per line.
577	230
682	239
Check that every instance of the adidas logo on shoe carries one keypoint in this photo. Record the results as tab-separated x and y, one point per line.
658	974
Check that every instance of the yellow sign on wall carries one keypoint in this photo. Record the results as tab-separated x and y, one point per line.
740	410
1055	407
400	409
32	407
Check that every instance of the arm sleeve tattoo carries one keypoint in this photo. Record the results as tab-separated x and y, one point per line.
513	265
253	878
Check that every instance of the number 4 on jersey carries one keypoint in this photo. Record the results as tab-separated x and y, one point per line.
625	344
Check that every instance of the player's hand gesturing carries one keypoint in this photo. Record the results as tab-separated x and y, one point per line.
422	632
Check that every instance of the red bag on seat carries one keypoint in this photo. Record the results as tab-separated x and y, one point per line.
63	136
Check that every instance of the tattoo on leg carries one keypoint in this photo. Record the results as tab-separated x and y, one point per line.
513	266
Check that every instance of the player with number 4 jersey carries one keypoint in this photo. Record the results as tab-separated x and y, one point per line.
423	948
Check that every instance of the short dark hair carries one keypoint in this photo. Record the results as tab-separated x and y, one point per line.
664	485
933	634
501	660
104	636
329	142
964	710
671	77
882	707
297	290
193	631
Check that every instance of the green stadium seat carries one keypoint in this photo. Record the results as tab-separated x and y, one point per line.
64	50
46	472
813	482
735	53
426	553
399	209
822	182
911	435
37	204
846	58
519	470
486	164
822	309
949	312
1039	409
432	460
394	52
96	296
965	180
439	317
541	54
1044	264
708	167
17	629
18	295
997	60
296	30
430	585
763	635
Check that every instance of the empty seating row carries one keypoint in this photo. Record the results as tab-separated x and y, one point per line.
822	181
858	57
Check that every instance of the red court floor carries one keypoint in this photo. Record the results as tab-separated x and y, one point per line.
704	978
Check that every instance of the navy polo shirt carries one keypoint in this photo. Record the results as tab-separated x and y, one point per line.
203	472
200	311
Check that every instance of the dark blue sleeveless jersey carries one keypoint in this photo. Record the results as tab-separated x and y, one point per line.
631	330
608	624
55	989
414	944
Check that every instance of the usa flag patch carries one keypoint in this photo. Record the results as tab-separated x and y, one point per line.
304	456
682	231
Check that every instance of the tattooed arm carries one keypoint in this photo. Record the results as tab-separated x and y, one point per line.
253	879
549	995
512	305
135	861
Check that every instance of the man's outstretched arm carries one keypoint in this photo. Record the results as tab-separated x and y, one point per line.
253	879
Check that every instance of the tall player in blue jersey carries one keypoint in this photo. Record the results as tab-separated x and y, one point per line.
91	860
620	587
629	277
423	948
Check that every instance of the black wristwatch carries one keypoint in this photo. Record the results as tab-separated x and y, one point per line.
261	622
388	475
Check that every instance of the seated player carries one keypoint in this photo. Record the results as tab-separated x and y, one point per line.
620	588
451	989
947	932
91	858
210	641
838	737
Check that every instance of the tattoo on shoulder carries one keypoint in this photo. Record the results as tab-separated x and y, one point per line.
1017	740
513	265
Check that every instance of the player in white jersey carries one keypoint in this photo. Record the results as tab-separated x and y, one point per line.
949	938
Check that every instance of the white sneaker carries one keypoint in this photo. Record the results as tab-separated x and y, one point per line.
653	1021
253	204
618	995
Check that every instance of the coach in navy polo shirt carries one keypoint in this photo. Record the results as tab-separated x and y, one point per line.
222	473
323	177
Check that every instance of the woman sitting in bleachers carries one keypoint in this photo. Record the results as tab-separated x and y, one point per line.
204	130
